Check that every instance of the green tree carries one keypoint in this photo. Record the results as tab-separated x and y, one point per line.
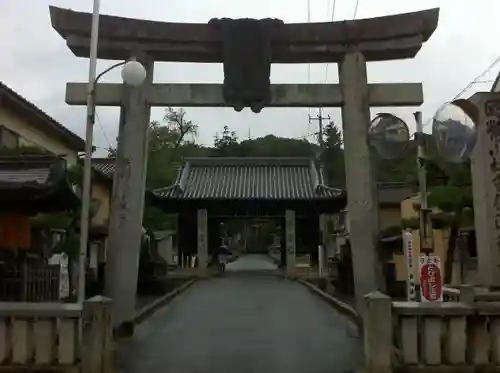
333	155
225	143
169	141
450	192
111	152
274	146
166	142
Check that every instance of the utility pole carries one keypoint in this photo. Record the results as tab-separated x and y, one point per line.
319	117
321	247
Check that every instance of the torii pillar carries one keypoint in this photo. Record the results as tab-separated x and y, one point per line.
349	43
127	200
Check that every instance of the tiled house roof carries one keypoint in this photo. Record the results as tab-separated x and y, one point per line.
105	166
39	119
36	183
249	178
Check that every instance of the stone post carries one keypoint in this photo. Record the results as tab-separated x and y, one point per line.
467	294
290	242
485	171
378	331
322	248
362	201
97	349
125	228
202	242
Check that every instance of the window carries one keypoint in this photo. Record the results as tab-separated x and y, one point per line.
8	139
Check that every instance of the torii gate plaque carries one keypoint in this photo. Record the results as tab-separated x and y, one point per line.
349	43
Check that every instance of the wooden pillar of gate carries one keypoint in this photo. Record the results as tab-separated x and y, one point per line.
290	240
202	244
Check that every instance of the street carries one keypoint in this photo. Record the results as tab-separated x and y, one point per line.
243	324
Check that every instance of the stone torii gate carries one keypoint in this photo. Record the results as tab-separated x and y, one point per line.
351	44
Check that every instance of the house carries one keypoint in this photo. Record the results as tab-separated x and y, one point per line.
25	126
390	196
464	268
30	185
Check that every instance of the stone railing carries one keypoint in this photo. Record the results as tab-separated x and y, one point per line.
45	336
468	293
431	337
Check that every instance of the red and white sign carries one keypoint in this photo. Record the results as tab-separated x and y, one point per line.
431	280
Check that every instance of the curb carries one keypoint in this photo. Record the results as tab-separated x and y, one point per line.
341	307
151	308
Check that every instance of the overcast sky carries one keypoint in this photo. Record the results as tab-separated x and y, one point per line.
36	62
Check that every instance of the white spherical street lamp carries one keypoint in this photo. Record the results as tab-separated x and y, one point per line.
133	73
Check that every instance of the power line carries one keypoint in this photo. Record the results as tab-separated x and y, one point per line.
476	79
310	134
332	17
309	65
355	9
102	129
470	84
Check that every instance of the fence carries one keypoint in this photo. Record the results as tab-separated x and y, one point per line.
431	337
29	283
468	293
44	336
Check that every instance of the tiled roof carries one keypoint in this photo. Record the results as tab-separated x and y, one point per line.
15	172
40	119
36	182
248	178
394	193
105	166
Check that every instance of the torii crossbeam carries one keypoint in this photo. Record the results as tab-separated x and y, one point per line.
351	44
283	95
378	39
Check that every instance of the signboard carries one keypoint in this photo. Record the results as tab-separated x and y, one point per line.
431	280
410	268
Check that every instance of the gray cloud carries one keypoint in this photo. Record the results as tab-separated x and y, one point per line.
37	64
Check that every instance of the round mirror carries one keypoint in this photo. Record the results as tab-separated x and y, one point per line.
389	136
454	133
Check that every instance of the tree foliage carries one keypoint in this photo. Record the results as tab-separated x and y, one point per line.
169	141
225	143
333	155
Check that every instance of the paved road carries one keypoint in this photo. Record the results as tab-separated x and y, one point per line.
243	324
252	263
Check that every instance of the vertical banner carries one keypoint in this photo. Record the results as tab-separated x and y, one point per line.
431	279
410	268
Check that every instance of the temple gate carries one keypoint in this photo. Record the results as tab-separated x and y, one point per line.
351	44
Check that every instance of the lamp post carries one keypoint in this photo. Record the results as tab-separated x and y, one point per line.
133	74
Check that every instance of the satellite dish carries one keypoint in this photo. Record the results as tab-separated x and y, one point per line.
454	133
389	136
